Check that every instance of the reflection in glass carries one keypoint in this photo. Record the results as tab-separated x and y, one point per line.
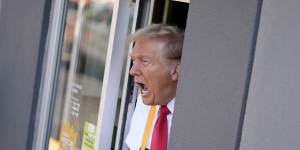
80	75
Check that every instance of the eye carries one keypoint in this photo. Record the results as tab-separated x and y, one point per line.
145	61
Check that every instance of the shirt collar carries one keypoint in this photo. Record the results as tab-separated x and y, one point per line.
171	105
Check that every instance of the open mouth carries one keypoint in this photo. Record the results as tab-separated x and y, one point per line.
143	87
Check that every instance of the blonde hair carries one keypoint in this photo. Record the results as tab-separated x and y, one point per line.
170	36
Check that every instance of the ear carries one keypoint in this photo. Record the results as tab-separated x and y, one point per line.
175	72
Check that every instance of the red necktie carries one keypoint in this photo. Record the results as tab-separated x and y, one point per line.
160	131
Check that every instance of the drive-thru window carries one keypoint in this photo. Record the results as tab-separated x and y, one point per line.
90	95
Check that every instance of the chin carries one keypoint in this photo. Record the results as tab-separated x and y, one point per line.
148	102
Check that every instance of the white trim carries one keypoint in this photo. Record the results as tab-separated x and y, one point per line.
112	74
48	75
184	1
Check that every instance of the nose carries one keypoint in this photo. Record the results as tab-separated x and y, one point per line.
134	71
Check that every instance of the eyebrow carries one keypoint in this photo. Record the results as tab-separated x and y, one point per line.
139	56
145	57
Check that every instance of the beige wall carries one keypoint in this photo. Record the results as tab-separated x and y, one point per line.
218	48
272	119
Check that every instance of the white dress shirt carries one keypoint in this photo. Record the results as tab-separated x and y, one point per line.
138	123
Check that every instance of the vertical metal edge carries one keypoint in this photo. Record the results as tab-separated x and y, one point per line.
165	14
112	74
0	7
151	11
118	143
48	75
249	75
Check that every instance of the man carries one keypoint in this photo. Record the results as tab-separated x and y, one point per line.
156	58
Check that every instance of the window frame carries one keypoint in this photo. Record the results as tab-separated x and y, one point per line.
111	81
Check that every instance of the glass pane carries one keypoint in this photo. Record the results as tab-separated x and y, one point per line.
80	75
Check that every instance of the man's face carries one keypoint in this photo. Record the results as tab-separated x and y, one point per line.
155	74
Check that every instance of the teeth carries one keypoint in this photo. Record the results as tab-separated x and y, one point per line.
144	91
143	88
